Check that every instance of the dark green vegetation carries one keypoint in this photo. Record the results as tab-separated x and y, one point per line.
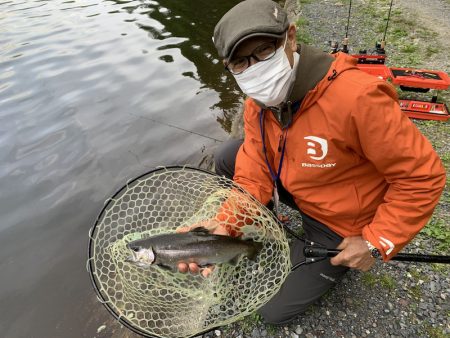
379	280
248	324
302	33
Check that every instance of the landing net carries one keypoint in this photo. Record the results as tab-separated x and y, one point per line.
161	303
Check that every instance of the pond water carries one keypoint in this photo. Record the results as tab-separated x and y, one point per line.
92	94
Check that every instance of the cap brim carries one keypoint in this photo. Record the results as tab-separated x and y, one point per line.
270	35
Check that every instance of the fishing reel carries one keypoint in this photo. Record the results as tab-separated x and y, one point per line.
335	46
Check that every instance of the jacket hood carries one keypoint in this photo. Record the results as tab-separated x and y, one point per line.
317	72
313	66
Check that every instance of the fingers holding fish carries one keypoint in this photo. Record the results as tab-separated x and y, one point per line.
183	267
207	271
191	267
215	228
195	269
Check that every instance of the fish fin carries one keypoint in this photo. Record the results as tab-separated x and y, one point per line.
200	230
234	261
165	267
256	249
252	255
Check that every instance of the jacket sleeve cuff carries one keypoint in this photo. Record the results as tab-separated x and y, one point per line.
385	251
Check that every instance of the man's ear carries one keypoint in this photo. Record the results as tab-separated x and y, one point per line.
292	37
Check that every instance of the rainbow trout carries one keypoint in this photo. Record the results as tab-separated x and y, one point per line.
197	246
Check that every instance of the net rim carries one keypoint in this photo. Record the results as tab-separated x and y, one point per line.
91	268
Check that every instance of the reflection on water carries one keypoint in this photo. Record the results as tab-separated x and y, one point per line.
93	93
199	47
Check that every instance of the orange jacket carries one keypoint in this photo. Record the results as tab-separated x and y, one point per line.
353	160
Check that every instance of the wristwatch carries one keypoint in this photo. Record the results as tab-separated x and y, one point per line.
373	251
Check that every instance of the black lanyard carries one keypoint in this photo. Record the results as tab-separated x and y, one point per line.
275	177
292	107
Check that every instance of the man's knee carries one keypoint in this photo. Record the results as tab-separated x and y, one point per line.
225	158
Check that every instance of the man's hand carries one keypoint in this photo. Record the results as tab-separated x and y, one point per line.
355	254
215	228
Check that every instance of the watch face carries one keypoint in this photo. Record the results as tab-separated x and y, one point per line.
375	253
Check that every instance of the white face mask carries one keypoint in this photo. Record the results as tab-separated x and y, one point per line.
269	81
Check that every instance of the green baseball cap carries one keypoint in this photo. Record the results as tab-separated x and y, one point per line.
247	19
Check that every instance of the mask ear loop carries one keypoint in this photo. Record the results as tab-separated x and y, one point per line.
285	41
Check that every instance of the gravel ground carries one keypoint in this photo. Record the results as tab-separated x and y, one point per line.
393	299
435	14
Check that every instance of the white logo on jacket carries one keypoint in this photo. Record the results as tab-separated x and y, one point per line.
312	147
317	150
387	245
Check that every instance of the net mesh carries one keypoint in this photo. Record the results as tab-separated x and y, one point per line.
161	303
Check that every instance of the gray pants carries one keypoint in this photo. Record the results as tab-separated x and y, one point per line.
309	282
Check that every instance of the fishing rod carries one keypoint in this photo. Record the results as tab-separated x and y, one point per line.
345	42
383	42
177	127
335	44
